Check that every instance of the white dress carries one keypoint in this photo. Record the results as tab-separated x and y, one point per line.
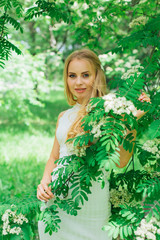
88	223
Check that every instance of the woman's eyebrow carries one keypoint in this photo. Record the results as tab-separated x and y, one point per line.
82	72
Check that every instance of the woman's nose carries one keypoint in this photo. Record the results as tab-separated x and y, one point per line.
78	80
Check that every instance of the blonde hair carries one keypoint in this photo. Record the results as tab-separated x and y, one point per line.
99	87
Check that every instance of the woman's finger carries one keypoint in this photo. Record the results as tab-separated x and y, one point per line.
42	198
39	196
147	99
144	97
43	192
48	190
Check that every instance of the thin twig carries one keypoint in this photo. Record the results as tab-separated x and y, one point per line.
129	164
64	182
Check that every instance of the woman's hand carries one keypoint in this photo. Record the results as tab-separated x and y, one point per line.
143	97
43	191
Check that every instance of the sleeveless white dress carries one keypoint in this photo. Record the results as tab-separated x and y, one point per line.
94	214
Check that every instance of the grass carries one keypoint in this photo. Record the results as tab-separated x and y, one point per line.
25	148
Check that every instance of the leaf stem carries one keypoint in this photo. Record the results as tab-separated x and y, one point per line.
64	182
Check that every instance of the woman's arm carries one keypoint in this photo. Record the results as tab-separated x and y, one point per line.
43	191
126	155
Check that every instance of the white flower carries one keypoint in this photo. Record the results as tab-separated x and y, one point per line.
120	196
16	230
131	72
150	235
138	21
109	96
152	146
89	107
85	6
10	217
158	231
109	69
4	232
96	127
147	230
77	150
5	217
119	105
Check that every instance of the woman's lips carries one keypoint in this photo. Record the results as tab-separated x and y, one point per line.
80	90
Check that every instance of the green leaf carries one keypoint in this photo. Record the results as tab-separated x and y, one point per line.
27	232
75	192
125	230
149	216
154	129
156	213
112	145
121	233
111	231
116	232
84	195
78	200
130	216
108	146
126	213
129	230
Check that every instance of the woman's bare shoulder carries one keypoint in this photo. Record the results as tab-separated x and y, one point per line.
61	114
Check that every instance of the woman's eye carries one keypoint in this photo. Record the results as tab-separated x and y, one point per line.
72	76
86	75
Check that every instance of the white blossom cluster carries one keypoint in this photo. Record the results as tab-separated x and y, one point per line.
132	71
119	105
89	107
138	21
120	197
9	217
120	65
96	127
152	146
148	230
77	150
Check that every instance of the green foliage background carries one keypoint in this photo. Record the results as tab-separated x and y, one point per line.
35	39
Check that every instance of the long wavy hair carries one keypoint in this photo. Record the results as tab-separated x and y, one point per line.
99	87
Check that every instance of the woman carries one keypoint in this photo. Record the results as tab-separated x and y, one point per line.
83	78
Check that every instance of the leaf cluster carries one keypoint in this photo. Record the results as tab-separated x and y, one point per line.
6	47
57	11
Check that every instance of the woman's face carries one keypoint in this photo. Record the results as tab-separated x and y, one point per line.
80	79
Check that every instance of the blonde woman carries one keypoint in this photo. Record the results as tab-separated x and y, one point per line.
83	78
